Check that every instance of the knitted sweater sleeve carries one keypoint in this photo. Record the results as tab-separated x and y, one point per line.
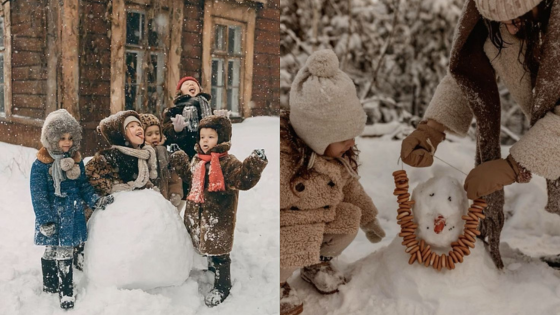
354	193
449	107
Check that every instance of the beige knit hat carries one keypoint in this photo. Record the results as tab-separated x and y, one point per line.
324	107
504	10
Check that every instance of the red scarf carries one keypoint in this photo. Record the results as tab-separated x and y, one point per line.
215	176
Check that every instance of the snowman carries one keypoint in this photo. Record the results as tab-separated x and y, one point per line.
138	242
439	205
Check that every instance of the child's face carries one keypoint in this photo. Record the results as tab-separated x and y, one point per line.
65	142
208	139
338	149
190	88
153	136
135	134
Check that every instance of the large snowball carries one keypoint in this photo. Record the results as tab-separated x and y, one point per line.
138	242
442	197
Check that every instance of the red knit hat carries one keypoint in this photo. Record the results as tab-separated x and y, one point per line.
183	80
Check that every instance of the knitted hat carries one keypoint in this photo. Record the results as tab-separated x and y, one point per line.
504	10
221	124
324	107
185	79
57	124
149	120
113	127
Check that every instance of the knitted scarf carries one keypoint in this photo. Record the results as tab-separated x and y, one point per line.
147	167
215	176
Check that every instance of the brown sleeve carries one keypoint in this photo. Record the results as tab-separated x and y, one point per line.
100	174
244	176
175	184
354	193
180	164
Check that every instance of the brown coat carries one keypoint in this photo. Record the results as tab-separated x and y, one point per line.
167	181
330	201
211	224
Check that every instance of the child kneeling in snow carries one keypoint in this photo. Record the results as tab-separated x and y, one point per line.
168	182
128	164
216	178
59	188
322	203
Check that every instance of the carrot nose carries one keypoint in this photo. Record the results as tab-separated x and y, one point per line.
439	224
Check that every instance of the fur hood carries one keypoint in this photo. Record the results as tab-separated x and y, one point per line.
221	124
112	127
56	124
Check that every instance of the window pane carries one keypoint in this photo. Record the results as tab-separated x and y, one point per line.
219	38
1	32
2	68
233	101
217	97
134	27
153	69
217	72
152	100
233	73
131	79
157	27
234	40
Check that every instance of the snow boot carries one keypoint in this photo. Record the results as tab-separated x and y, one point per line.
323	276
553	261
290	304
79	257
50	275
66	287
222	281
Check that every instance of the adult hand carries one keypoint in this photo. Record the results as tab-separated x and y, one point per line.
418	148
491	176
374	231
102	202
178	122
47	229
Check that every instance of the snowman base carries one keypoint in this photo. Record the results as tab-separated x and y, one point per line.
421	252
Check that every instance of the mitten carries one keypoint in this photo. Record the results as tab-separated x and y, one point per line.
47	229
418	148
491	176
178	122
175	199
374	231
260	154
66	164
102	202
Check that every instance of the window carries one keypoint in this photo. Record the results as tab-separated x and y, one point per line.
144	62
2	51
227	61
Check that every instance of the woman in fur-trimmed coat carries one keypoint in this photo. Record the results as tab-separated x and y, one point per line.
517	41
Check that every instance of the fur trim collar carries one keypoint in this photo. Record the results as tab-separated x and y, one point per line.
44	156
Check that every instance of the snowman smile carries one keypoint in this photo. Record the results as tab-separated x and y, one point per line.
439	224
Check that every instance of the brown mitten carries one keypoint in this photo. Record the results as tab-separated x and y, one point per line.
491	176
418	148
374	231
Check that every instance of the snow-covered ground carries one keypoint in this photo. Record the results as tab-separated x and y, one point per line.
255	256
382	282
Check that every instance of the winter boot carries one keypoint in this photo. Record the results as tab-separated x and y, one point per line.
66	287
79	257
323	276
222	281
290	304
50	275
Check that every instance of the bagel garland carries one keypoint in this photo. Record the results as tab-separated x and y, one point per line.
421	252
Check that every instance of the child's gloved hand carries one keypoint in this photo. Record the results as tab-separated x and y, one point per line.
178	122
175	199
102	202
374	231
260	154
47	229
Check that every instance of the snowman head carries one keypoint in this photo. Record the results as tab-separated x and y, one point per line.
439	204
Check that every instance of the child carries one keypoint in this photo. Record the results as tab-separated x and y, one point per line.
216	178
168	182
58	190
322	203
128	164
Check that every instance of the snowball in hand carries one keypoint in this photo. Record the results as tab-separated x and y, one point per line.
138	242
439	204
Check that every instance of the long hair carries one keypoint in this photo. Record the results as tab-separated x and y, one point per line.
531	33
301	152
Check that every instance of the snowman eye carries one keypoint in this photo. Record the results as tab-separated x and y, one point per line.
427	228
449	198
432	194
